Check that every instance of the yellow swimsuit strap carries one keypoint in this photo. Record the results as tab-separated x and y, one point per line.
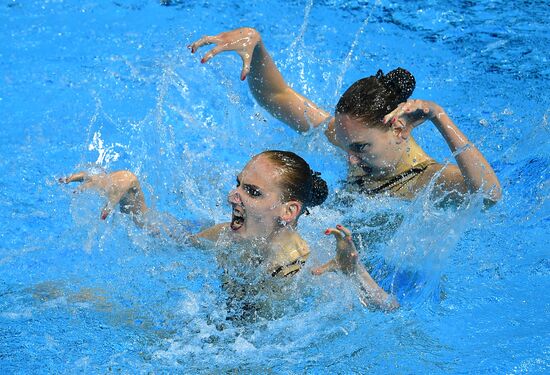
289	269
399	179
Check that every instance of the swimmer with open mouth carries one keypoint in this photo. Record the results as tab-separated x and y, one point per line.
273	190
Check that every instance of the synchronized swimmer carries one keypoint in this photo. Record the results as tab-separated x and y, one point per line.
372	123
273	190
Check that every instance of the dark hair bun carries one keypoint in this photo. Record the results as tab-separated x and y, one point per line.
319	190
400	81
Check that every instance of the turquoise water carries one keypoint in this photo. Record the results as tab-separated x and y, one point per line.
111	84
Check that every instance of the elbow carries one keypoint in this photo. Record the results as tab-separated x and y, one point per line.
391	304
493	195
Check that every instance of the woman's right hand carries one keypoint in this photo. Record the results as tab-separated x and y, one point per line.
121	187
346	253
243	41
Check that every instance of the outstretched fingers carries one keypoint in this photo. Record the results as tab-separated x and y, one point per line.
413	110
341	233
213	52
75	177
204	41
345	231
346	253
335	232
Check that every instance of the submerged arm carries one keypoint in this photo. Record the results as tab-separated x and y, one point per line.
371	293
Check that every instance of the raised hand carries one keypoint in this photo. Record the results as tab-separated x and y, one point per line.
412	113
243	41
346	253
121	187
346	261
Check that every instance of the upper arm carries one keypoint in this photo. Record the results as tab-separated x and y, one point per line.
276	96
452	186
451	179
296	110
449	183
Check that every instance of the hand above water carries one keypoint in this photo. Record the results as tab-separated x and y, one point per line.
346	260
121	187
243	41
346	253
410	114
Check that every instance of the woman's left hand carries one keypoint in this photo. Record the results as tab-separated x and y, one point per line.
346	253
121	187
410	114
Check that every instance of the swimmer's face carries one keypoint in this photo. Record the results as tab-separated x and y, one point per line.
368	147
256	200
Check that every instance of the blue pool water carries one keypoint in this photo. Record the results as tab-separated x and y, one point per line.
111	84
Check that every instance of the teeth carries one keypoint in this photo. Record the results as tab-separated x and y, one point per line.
237	213
237	220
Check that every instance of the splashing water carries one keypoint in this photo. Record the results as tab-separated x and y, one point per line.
112	84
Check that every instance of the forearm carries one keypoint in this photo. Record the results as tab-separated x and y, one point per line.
165	226
155	223
476	171
372	295
272	92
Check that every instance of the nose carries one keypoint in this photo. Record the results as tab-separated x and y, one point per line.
234	197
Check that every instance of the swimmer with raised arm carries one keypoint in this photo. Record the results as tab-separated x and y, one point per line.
273	190
372	124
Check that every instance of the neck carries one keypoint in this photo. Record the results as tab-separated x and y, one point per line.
412	155
280	233
264	243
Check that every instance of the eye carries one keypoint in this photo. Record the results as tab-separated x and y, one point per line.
359	147
252	191
238	182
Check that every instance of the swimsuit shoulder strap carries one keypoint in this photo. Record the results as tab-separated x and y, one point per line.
401	178
289	269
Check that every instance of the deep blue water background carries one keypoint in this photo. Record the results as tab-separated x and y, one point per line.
112	83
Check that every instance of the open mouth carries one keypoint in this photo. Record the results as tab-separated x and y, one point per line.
237	218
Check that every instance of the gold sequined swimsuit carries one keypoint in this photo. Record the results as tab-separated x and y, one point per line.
393	184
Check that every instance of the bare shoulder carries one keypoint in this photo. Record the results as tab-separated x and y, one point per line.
289	253
330	133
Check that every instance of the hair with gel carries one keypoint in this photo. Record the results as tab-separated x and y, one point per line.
372	98
298	181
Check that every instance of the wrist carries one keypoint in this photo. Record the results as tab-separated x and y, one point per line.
436	113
